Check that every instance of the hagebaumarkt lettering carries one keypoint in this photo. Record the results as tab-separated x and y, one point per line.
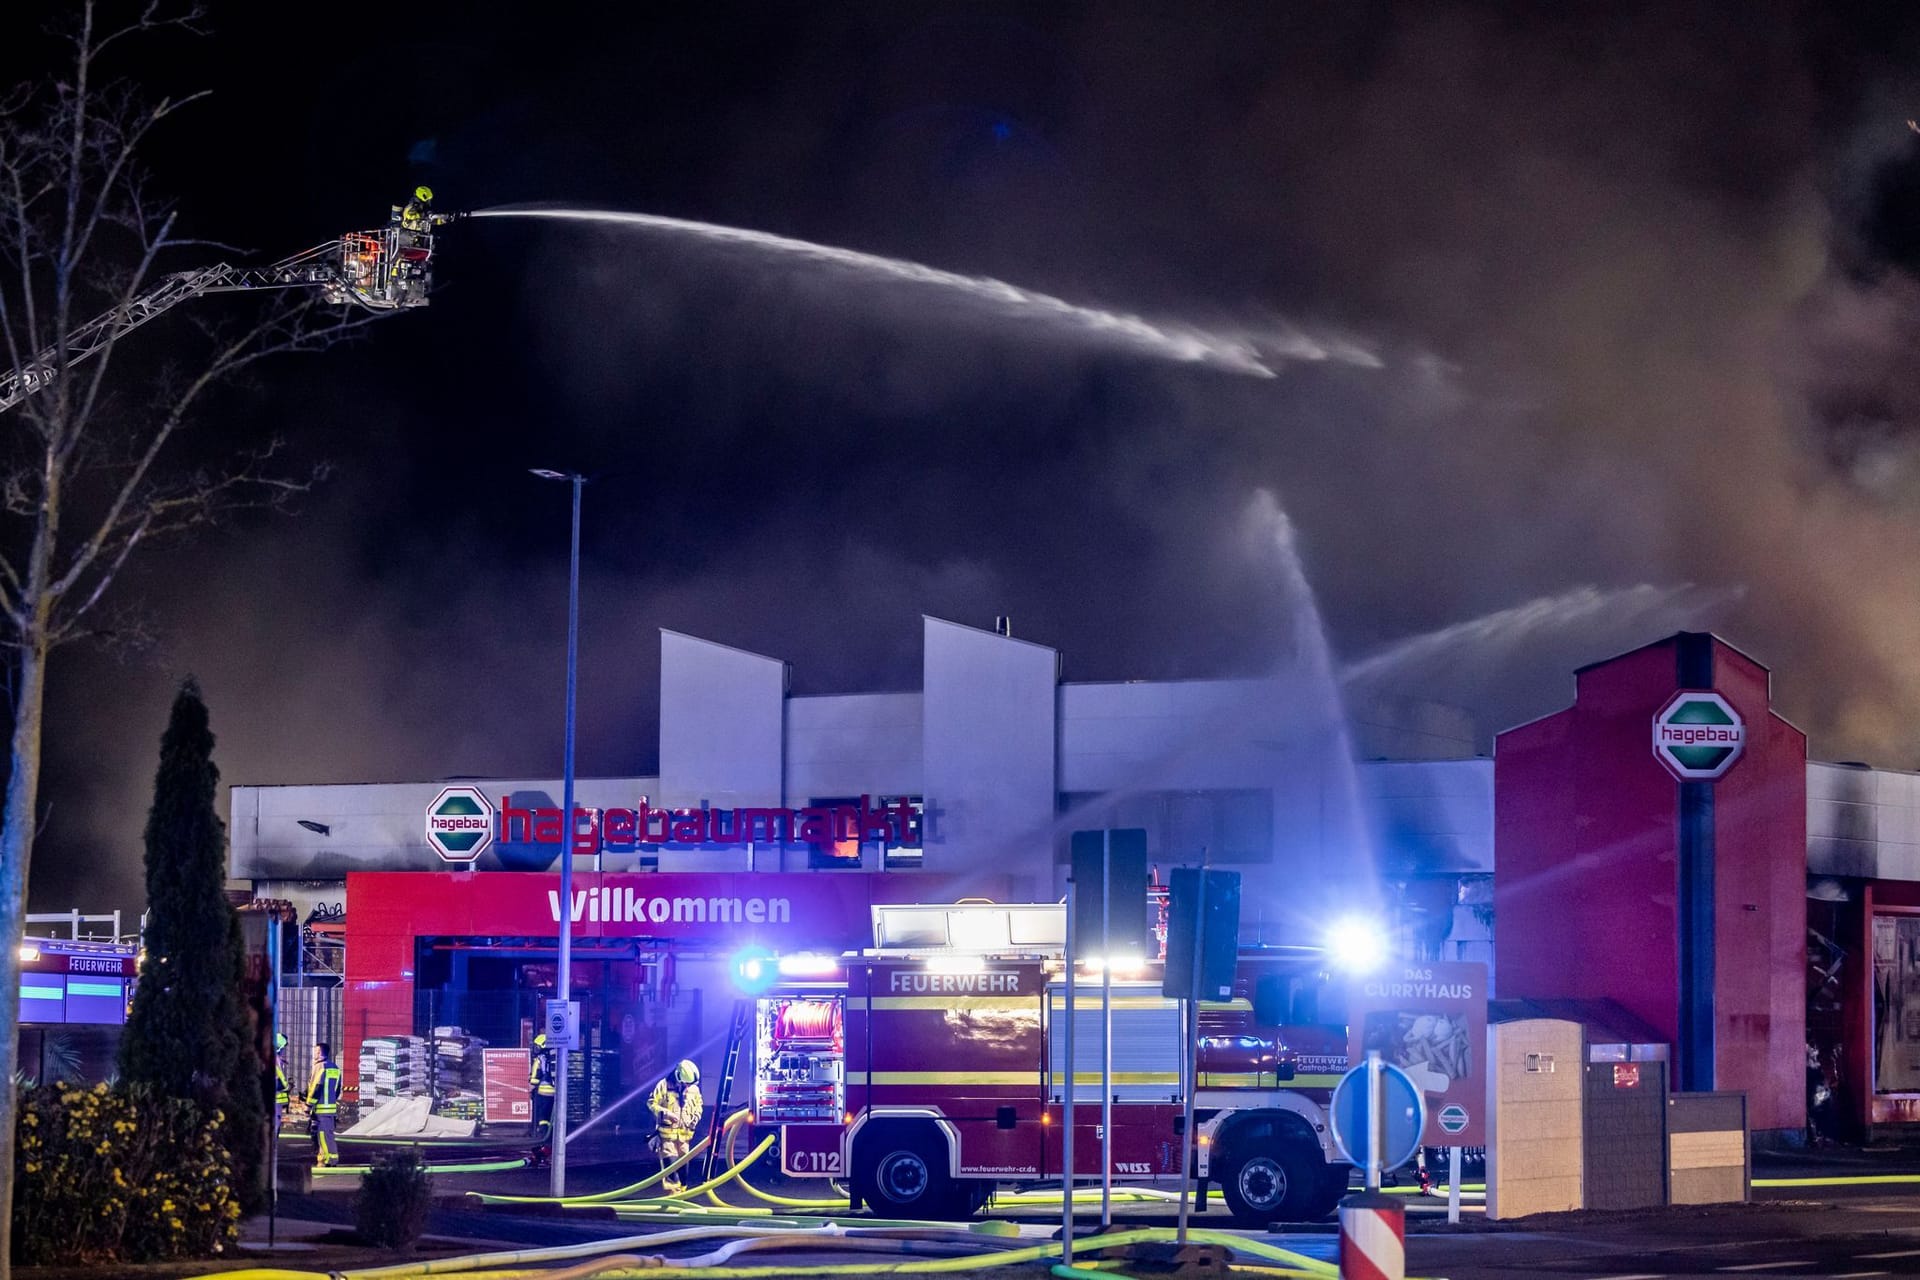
624	830
1698	735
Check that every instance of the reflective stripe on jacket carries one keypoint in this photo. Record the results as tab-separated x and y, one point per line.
280	1086
323	1094
540	1076
676	1113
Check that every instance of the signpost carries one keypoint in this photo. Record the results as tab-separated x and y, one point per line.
1378	1116
1066	1095
563	1024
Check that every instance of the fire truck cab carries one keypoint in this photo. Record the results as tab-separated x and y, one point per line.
931	1069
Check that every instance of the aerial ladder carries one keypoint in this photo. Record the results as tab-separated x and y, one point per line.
388	269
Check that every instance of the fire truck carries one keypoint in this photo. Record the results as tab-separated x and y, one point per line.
931	1069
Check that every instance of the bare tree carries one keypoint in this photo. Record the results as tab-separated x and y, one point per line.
87	475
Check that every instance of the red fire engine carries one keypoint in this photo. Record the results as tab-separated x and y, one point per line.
931	1069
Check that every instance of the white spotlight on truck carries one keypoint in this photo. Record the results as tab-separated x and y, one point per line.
1357	944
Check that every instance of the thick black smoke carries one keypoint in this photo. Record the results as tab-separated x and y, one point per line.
1638	278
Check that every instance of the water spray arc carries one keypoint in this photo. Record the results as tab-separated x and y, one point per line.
1247	355
1494	639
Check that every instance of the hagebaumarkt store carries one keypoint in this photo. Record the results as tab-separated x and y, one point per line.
1669	866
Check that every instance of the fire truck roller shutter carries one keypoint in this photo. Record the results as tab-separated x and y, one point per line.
1269	1168
1146	1044
902	1169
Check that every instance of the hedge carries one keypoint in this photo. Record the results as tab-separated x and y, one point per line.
119	1174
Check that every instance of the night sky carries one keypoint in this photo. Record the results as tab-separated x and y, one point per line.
1635	281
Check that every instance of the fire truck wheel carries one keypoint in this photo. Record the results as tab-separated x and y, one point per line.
1274	1181
900	1171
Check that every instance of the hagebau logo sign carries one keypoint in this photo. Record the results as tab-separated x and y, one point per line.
1698	735
460	824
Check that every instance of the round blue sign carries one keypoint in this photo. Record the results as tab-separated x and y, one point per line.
1403	1116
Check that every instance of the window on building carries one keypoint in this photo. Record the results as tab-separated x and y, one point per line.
899	852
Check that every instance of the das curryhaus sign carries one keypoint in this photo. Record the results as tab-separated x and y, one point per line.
1698	735
1429	1018
462	822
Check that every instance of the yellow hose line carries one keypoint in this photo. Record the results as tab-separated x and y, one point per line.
1039	1199
1857	1180
784	1202
767	1197
792	1202
1258	1248
866	1239
561	1253
618	1193
596	1197
1312	1267
515	1264
680	1200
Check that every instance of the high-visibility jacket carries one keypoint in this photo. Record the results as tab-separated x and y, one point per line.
540	1076
323	1092
281	1089
676	1112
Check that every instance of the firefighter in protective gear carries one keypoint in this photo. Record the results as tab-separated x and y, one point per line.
281	1089
323	1103
417	213
540	1086
676	1114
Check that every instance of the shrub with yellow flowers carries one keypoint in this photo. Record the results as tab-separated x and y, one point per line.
118	1173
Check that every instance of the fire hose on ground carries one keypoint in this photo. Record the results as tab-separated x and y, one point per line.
612	1259
623	1200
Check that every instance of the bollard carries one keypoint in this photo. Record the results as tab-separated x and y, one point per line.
1373	1230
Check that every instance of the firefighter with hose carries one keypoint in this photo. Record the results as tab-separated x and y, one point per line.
417	213
676	1110
540	1085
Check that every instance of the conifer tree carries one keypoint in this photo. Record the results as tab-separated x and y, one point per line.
189	1031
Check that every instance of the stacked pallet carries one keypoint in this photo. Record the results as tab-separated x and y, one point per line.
394	1067
459	1077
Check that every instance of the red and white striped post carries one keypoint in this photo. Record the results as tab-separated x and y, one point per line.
1373	1226
1373	1238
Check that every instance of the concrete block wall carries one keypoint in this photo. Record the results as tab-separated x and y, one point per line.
1535	1135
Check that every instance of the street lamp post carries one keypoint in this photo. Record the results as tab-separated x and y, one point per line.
563	978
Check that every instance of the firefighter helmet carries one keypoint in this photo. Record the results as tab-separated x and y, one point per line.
540	1041
279	1042
686	1072
423	194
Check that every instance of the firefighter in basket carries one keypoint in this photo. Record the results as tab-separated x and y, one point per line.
676	1114
416	214
540	1085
